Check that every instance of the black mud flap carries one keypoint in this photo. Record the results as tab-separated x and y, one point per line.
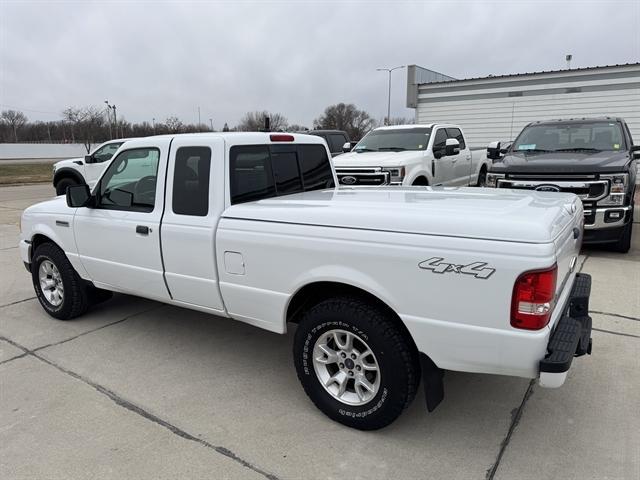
432	381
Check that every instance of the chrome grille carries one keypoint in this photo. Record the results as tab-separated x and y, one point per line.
586	190
350	177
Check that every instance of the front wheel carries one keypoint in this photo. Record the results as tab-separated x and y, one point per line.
60	290
623	245
355	363
61	186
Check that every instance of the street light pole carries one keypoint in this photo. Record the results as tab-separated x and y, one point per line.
389	70
109	119
211	123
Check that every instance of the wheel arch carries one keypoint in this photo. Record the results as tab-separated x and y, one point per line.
314	292
68	173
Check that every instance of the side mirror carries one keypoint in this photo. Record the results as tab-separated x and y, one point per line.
505	148
78	196
346	147
635	152
451	147
89	159
493	151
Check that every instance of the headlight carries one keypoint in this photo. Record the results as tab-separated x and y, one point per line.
617	189
396	174
493	178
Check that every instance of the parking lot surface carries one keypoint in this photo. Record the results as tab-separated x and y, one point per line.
137	389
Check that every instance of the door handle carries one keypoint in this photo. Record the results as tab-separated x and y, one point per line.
143	230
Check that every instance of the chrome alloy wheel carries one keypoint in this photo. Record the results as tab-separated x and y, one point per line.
346	367
51	283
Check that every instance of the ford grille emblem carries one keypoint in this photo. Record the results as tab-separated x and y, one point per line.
348	180
548	188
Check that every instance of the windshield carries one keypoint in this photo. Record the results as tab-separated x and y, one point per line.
567	137
395	140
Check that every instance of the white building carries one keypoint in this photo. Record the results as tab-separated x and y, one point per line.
498	107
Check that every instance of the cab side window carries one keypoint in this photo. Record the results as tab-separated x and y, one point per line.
191	181
457	134
130	181
440	140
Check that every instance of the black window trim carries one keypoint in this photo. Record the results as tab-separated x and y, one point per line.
98	189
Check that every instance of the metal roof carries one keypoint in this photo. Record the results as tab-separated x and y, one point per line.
542	72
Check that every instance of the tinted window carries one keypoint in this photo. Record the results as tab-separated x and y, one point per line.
130	181
457	134
285	171
440	141
260	171
315	167
191	181
251	177
336	141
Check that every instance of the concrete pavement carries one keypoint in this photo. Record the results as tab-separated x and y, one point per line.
137	389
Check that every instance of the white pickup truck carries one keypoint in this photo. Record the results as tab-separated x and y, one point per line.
386	286
435	154
76	171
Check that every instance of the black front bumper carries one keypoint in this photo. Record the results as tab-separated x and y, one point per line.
572	334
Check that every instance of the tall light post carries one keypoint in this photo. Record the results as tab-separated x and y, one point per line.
109	118
211	123
153	123
389	70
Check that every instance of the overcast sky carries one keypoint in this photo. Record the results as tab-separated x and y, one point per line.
156	59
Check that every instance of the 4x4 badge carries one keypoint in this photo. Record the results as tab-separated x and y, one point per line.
477	269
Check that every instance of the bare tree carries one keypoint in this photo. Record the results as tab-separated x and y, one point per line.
174	124
254	121
86	123
15	120
345	117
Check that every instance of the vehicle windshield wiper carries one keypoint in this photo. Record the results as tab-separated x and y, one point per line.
535	150
578	149
395	149
364	149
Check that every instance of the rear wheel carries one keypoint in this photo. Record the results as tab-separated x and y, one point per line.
482	178
60	290
61	186
355	363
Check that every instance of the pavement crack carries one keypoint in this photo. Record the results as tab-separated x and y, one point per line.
96	329
626	317
132	407
516	415
615	333
17	301
7	248
22	355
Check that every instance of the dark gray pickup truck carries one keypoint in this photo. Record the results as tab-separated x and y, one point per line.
595	158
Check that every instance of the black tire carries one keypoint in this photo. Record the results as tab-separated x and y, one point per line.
623	245
75	300
396	356
61	186
420	182
482	178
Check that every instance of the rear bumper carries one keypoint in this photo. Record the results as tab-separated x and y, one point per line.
571	336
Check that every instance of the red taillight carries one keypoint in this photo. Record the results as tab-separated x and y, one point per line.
532	302
281	138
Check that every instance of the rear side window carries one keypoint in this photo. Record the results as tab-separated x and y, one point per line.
261	171
191	181
457	134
